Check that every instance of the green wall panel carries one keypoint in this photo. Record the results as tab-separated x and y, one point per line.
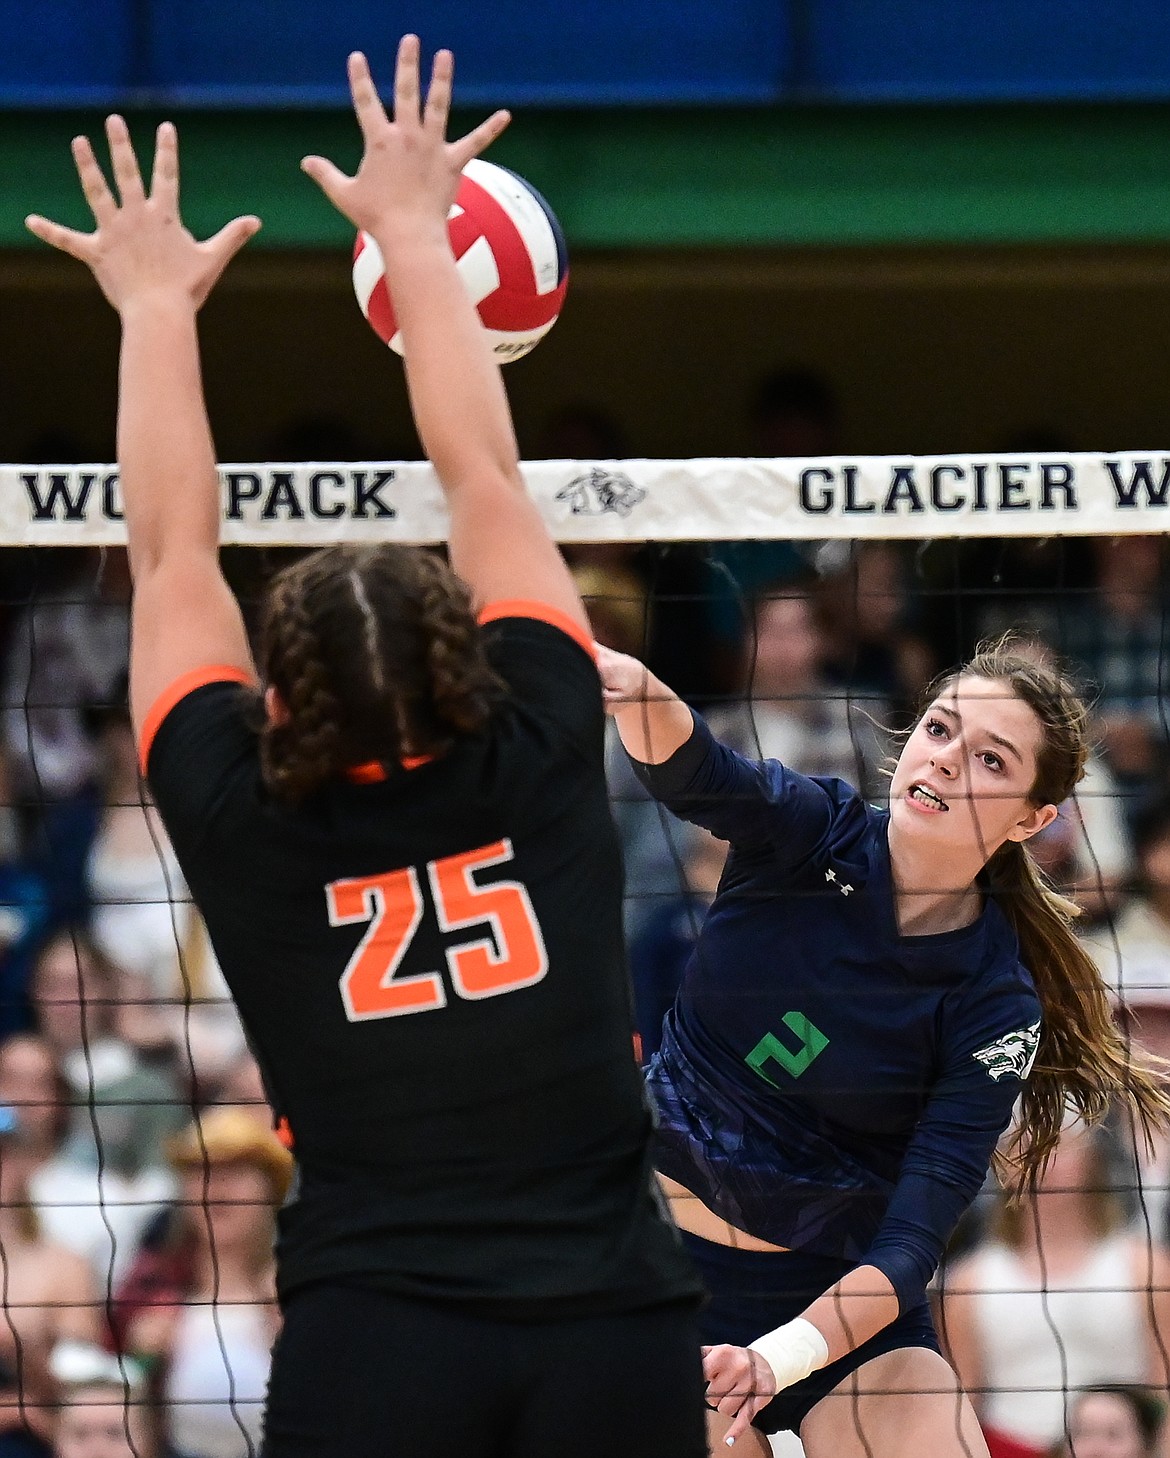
622	178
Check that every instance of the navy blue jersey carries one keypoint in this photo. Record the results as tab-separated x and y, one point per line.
824	1082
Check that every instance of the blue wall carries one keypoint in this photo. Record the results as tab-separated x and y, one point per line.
974	50
273	53
292	52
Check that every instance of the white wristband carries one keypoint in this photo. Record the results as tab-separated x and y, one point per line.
793	1351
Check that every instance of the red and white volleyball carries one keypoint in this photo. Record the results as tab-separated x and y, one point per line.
510	253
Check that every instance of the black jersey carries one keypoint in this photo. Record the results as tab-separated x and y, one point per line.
428	962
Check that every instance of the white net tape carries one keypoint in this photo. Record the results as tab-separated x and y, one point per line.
840	497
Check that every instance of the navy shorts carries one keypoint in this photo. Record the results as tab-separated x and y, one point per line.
753	1291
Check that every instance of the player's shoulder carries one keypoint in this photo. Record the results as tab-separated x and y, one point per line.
206	703
998	1015
844	806
1000	980
199	749
546	661
529	631
851	829
851	816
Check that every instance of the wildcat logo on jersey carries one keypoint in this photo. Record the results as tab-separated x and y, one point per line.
1013	1053
597	491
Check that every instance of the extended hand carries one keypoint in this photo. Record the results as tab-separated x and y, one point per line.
409	172
739	1383
140	247
623	679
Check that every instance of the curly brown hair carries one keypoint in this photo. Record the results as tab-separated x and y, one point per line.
376	655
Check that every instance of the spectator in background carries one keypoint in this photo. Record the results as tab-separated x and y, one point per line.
864	607
794	413
1062	1296
616	599
582	430
23	1433
1113	1422
1133	953
68	653
28	573
990	585
585	432
792	712
125	1107
666	942
653	841
24	914
122	1108
48	1294
242	1088
103	1410
144	922
324	437
199	1304
1087	851
671	578
99	1214
1118	634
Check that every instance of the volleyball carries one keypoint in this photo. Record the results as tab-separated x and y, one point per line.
510	253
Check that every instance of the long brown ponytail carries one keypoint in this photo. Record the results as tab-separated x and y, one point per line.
1084	1062
375	654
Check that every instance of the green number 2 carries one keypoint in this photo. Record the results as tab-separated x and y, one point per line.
812	1043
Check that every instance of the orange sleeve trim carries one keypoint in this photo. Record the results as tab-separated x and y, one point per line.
185	684
543	613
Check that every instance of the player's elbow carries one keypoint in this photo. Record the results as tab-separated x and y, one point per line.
147	557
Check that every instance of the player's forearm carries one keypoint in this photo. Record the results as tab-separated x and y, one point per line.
653	722
837	1323
456	393
166	455
860	1305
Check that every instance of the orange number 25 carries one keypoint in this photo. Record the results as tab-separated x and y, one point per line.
510	955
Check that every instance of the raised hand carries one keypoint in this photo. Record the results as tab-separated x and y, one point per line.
140	247
409	172
624	680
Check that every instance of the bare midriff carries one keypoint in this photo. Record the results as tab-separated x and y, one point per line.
691	1215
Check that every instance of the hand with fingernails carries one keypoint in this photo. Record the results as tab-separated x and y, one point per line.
741	1381
409	172
140	248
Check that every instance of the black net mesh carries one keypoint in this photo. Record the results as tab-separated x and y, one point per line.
139	1168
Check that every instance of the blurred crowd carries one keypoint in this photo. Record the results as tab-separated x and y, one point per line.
139	1170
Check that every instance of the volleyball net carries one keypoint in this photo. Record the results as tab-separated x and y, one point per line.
896	498
803	605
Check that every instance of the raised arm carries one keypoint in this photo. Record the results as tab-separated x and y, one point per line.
651	719
401	195
155	274
755	806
